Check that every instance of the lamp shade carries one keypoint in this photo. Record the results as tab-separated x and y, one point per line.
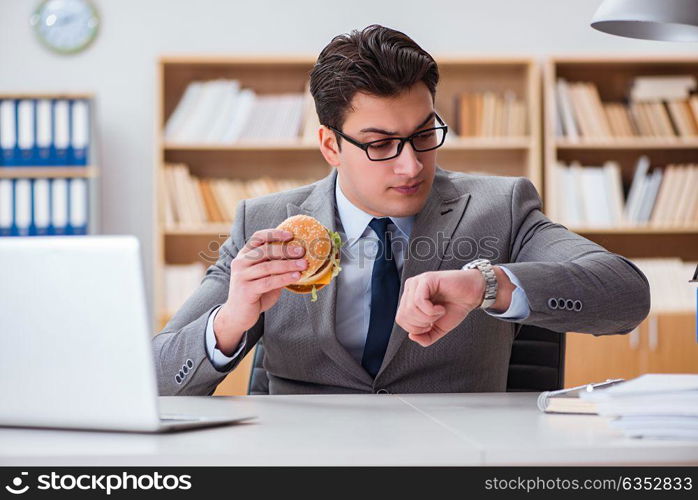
665	20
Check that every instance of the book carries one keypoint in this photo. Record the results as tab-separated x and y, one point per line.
662	87
491	114
591	196
192	201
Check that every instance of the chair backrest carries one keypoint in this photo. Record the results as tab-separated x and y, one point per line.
537	362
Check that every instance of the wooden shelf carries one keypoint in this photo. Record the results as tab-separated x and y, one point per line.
663	343
245	146
45	95
209	230
641	143
32	172
612	76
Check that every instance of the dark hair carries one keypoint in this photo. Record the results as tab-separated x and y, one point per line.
376	60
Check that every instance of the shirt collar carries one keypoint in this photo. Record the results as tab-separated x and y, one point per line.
354	220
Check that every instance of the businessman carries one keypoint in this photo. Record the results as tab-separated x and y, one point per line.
438	267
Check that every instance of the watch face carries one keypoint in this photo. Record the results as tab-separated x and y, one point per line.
65	26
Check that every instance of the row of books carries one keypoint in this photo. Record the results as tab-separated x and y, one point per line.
670	290
44	132
223	112
582	114
491	114
181	280
43	206
592	196
193	201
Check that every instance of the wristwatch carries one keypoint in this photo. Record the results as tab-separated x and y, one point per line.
485	267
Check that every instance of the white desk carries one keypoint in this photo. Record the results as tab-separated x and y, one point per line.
425	429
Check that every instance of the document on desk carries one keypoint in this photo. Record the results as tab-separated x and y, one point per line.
652	406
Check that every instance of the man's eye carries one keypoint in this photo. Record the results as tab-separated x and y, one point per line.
426	135
381	145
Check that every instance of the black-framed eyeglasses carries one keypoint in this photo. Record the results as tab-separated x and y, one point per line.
391	147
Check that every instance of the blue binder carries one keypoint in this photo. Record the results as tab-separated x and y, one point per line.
44	151
80	132
61	132
26	132
78	206
8	132
7	204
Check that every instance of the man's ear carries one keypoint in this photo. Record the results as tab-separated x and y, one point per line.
328	146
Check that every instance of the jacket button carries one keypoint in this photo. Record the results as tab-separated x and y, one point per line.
190	364
185	369
552	303
382	391
178	379
577	305
569	304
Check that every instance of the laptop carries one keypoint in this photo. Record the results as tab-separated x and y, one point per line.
75	342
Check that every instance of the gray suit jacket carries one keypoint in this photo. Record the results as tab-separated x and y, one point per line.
465	217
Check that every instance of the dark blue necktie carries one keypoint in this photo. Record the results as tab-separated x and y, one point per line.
385	288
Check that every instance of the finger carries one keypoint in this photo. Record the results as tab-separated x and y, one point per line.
423	339
269	283
406	313
270	251
272	267
422	296
413	316
263	236
429	337
420	330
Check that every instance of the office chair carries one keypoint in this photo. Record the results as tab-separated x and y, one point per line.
537	362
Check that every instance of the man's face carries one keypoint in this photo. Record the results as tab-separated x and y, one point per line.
398	187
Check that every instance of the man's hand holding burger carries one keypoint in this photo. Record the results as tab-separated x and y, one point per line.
434	303
258	274
300	255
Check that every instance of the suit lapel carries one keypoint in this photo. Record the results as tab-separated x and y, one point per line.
322	313
442	214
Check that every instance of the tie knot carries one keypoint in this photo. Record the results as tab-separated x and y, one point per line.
380	226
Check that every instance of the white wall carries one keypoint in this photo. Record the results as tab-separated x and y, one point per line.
120	67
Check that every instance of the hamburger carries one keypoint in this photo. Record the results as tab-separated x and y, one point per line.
322	248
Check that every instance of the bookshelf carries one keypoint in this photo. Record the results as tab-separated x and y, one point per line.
665	342
248	159
47	167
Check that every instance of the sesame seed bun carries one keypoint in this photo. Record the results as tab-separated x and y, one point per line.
313	237
321	253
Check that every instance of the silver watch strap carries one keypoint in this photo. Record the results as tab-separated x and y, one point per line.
485	267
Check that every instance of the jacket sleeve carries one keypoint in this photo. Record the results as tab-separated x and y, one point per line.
182	343
572	284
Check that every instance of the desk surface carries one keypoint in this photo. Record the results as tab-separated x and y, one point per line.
423	429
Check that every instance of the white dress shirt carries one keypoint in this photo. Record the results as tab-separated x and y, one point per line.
354	282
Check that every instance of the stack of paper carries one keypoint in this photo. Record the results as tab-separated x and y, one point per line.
661	406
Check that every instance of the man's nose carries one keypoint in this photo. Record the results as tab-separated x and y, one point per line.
408	163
